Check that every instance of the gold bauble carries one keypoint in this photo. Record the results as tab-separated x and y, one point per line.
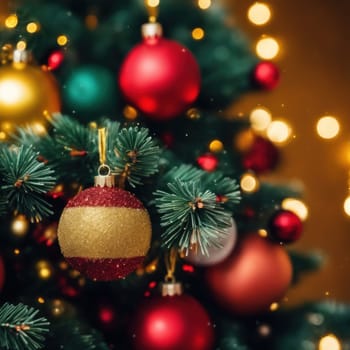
26	91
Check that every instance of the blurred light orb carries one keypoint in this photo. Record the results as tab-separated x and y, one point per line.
267	48
204	4
279	131
259	13
260	118
329	342
347	206
328	127
249	183
296	206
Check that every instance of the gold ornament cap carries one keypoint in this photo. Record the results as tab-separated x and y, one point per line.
104	177
151	30
21	56
171	288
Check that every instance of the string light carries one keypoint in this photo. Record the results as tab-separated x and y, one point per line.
296	206
262	233
216	146
274	306
62	40
267	48
198	33
279	131
20	226
44	269
259	13
204	4
249	183
260	118
32	27
327	127
11	21
329	342
21	45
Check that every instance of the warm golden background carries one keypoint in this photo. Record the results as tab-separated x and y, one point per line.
314	61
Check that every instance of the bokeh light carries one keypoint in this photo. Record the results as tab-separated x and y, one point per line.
11	21
32	27
267	48
259	13
260	119
216	146
249	183
297	207
279	131
62	40
346	206
329	342
204	4
328	127
198	33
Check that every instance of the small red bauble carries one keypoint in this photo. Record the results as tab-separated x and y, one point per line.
285	226
55	59
257	274
160	77
266	75
262	156
172	323
208	162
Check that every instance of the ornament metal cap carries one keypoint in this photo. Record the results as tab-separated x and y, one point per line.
151	30
21	56
171	288
104	177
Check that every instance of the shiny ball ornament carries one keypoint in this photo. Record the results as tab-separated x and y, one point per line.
90	91
55	59
215	254
171	323
285	226
104	232
262	156
257	274
26	91
159	77
266	75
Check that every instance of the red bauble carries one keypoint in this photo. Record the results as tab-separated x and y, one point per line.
160	77
55	59
172	323
208	162
266	75
262	156
256	275
285	226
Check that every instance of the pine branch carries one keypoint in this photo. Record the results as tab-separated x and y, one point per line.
135	155
24	181
191	215
20	328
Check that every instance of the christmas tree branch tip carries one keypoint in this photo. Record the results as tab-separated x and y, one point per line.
21	328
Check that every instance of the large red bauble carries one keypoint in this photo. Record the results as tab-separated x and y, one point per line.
172	323
285	226
266	75
256	275
160	77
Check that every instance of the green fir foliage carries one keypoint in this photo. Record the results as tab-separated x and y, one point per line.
21	328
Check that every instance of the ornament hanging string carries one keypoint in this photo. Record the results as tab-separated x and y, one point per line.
170	264
152	9
103	169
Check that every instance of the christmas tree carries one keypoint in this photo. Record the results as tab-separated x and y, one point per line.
134	210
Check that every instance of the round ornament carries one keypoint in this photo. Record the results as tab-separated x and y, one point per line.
171	322
285	226
216	255
262	156
104	232
160	77
90	91
266	75
257	274
26	91
55	59
208	161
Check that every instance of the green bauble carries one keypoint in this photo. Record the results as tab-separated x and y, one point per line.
90	92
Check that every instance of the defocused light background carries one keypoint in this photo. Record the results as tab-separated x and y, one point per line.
309	41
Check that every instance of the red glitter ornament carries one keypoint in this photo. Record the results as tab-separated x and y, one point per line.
208	162
55	59
262	156
285	226
171	323
160	77
257	274
266	75
104	232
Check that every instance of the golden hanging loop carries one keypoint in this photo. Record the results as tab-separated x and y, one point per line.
152	7
170	265
102	140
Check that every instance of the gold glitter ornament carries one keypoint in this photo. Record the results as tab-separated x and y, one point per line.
26	91
104	232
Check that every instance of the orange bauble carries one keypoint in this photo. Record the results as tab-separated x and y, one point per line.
256	275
